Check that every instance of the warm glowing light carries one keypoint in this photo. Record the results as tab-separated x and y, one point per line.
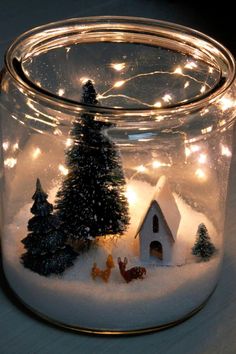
225	151
159	118
222	122
187	152
131	195
15	147
206	130
202	158
84	79
119	83
10	162
68	142
157	104
205	111
57	131
226	103
178	70
167	98
67	49
5	145
141	169
64	171
61	92
190	65
186	84
36	153
118	66
210	70
200	174
38	83
158	164
203	89
191	149
194	148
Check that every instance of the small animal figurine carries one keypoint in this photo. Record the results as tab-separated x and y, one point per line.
132	273
103	274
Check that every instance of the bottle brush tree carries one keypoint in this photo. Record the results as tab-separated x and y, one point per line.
203	247
46	249
91	201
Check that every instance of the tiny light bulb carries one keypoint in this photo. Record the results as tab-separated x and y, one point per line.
61	92
64	171
10	162
5	145
68	142
225	151
118	66
200	174
119	83
141	169
156	164
186	84
36	153
15	147
202	158
178	70
157	104
167	98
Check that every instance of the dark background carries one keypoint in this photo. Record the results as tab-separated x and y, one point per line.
216	19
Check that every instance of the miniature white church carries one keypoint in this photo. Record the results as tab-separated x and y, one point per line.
158	231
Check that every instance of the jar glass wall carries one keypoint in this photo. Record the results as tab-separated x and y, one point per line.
120	129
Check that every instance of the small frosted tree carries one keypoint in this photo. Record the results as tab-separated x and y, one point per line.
91	201
203	247
46	249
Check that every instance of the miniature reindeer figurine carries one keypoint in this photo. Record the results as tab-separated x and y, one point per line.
132	273
104	274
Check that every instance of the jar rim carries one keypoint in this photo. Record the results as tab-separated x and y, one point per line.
215	50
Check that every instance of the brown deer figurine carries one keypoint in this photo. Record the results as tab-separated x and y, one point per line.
132	273
103	274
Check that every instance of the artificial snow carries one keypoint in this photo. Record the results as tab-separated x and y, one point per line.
165	295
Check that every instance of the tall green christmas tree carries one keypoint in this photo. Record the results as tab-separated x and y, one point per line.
91	200
45	244
203	247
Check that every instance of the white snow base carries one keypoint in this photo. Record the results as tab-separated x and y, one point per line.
75	299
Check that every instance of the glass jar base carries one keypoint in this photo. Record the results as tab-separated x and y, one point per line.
105	331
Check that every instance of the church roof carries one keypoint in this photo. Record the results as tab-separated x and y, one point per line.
165	201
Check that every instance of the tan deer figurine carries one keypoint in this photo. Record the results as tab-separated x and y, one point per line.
103	274
132	273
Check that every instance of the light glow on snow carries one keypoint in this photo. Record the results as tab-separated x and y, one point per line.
131	195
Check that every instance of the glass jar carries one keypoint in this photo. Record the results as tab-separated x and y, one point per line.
120	129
